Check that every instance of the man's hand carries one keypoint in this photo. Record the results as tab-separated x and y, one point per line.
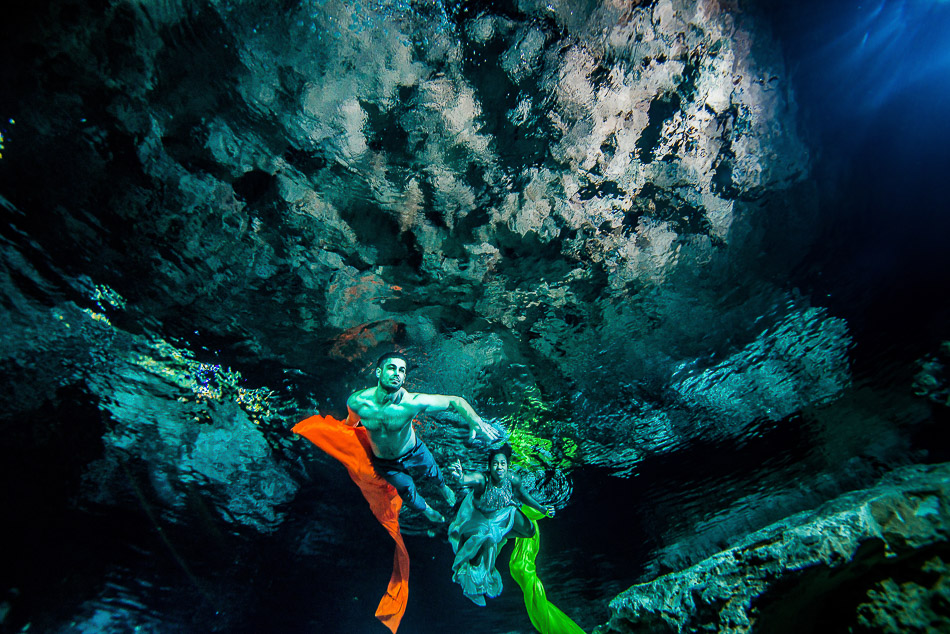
489	431
456	469
548	510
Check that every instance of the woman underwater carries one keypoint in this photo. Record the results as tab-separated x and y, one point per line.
488	515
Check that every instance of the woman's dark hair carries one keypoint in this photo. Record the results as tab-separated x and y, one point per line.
504	450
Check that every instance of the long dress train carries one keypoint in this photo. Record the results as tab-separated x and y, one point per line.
544	615
472	533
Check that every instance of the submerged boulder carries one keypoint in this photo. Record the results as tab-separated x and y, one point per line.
870	560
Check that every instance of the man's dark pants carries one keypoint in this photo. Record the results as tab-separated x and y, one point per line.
399	472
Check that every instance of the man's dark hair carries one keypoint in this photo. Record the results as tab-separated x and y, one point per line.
391	355
504	450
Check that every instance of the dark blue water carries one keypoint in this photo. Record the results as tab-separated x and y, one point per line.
871	80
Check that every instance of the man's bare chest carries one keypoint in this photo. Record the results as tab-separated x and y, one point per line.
387	418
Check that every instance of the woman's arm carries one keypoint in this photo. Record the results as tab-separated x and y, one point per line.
471	479
528	499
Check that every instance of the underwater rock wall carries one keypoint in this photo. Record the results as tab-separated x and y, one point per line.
873	560
498	192
169	425
345	165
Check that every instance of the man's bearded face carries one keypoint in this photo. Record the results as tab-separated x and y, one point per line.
392	374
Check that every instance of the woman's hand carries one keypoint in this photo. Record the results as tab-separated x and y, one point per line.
455	469
548	510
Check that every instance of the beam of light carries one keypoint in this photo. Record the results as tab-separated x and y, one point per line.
864	56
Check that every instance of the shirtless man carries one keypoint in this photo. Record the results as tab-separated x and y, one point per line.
387	411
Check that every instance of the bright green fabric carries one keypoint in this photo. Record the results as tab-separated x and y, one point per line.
545	617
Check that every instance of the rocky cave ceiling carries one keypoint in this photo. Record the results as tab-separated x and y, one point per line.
588	214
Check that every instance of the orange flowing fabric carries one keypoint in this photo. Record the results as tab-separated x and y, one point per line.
350	446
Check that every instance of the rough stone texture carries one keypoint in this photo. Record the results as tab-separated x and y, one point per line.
803	360
910	606
869	559
172	423
932	381
356	175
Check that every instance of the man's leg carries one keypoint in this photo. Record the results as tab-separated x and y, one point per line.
421	458
434	515
395	474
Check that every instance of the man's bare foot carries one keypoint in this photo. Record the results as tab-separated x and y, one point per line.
434	515
449	495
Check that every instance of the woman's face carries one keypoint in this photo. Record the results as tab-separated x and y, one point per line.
498	467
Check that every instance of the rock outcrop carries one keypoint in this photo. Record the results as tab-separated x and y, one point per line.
871	560
353	176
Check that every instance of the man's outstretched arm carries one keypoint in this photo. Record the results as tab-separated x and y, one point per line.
441	402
